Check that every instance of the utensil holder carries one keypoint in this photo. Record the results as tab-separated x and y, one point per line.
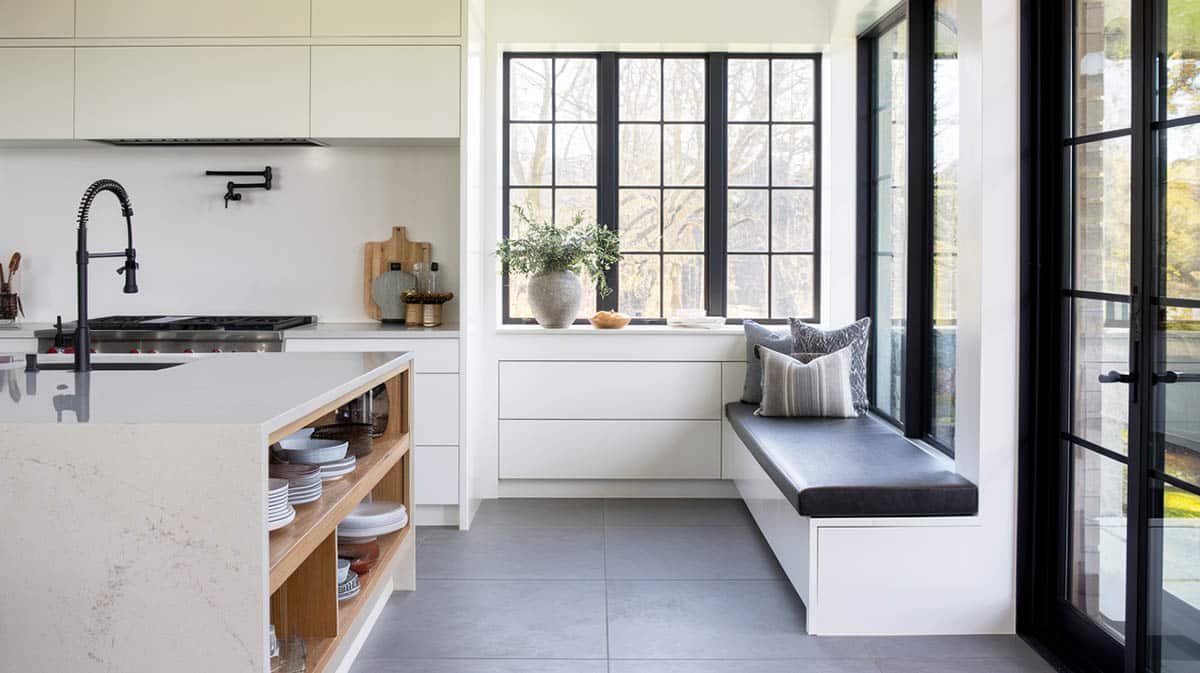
431	315
412	315
10	305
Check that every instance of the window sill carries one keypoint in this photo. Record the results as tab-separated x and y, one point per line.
631	330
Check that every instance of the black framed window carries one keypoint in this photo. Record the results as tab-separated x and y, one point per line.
908	214
707	164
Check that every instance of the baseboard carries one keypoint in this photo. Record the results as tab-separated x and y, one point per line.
436	515
617	488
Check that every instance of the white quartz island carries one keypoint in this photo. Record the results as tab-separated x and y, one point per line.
133	509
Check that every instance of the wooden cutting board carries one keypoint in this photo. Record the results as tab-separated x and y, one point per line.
377	259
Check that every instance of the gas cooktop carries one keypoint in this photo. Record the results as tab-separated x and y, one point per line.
174	323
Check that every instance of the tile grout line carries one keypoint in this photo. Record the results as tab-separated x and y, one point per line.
604	574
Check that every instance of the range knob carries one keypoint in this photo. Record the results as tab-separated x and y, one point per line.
134	351
188	350
216	350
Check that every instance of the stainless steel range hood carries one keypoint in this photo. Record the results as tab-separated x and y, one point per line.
138	142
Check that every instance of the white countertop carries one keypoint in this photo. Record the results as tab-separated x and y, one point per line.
369	330
23	330
266	389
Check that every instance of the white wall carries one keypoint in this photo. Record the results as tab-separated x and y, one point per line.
295	249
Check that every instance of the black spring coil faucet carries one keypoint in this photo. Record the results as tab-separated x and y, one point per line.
83	354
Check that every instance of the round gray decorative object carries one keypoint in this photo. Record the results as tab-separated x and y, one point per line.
554	297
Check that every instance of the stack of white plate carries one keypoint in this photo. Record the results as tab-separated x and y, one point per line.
350	587
313	451
371	519
304	481
279	508
336	468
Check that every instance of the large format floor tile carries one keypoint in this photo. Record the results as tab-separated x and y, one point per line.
962	647
689	552
492	552
960	665
672	512
490	619
481	666
712	620
539	512
744	666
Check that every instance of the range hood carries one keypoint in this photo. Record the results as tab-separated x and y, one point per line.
209	141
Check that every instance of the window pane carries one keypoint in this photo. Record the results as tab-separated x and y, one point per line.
749	89
640	155
1103	69
1182	51
529	89
529	154
683	155
575	89
575	154
1102	212
683	282
792	156
792	221
569	202
945	220
685	89
641	89
641	286
535	202
746	286
639	212
1178	424
747	220
683	220
1175	596
1098	534
1182	268
792	286
747	152
792	90
1100	411
518	297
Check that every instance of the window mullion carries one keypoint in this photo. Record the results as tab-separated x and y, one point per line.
607	199
919	316
716	182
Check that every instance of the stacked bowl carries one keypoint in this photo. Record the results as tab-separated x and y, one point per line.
279	508
370	520
328	455
304	481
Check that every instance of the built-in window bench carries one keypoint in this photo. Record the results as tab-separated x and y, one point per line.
877	535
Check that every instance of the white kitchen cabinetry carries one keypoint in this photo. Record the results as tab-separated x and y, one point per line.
37	18
189	18
191	92
36	85
408	18
385	92
436	413
610	390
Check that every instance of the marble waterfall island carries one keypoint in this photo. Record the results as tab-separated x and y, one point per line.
134	510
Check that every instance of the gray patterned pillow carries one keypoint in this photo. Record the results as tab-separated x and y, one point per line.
817	388
809	339
778	340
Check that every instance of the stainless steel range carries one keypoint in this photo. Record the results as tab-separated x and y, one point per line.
177	334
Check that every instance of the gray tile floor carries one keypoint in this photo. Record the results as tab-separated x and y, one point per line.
630	586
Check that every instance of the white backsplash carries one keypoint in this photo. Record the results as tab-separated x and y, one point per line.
295	249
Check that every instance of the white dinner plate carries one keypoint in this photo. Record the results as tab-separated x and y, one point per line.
280	523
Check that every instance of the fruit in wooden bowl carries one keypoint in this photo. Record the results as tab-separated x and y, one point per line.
610	320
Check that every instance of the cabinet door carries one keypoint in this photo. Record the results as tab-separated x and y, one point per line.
36	87
386	17
188	18
37	18
385	92
435	410
435	481
191	92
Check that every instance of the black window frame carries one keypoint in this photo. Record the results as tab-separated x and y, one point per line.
916	418
716	125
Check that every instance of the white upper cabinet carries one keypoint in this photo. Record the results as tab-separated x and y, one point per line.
385	92
439	18
37	18
36	87
191	92
191	18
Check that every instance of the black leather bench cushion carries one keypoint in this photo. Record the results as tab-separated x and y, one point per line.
851	467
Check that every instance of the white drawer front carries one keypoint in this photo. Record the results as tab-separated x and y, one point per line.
435	480
432	356
21	345
610	390
435	414
610	449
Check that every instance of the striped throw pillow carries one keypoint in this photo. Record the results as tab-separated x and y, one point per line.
817	388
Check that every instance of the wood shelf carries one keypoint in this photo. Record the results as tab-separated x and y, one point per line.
318	651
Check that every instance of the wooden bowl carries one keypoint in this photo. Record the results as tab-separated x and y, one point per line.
609	320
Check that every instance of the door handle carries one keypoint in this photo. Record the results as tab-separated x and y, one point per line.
1114	376
1176	377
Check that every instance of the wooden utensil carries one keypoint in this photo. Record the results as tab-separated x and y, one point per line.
14	263
378	256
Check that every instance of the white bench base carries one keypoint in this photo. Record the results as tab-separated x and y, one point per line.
874	576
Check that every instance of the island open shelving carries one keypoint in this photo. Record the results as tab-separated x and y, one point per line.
303	555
